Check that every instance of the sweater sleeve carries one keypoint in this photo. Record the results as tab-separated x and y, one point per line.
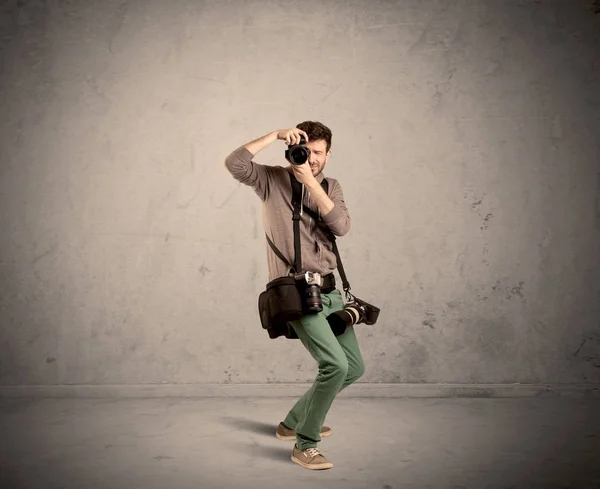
244	170
338	218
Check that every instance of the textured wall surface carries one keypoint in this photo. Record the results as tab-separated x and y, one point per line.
465	137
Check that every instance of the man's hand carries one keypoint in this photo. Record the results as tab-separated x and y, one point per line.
304	175
291	136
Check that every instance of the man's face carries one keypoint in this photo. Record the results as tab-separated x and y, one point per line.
318	158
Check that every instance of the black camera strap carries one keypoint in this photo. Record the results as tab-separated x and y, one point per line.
296	201
296	204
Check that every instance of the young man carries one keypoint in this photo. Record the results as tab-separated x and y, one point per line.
339	359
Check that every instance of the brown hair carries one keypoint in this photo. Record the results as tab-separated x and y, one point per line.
316	131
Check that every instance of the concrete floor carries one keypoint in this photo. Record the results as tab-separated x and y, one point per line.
229	443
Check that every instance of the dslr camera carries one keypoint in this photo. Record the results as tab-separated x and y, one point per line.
310	284
355	312
297	154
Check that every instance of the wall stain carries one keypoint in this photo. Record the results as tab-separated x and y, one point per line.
591	350
585	340
220	206
45	253
512	292
91	81
50	360
430	320
229	373
485	221
497	57
517	291
185	205
203	269
415	279
485	252
539	327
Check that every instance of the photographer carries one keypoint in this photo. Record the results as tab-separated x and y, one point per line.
338	355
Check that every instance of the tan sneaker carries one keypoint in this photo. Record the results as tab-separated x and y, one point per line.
285	433
310	458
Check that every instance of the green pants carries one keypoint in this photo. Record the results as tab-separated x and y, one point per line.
340	364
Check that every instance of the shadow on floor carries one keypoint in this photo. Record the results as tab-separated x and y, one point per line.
251	427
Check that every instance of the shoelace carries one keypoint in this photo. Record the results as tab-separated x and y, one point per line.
312	452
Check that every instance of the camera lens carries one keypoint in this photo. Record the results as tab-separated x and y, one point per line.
298	155
339	320
312	299
337	324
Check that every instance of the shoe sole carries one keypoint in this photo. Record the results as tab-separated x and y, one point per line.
312	466
293	437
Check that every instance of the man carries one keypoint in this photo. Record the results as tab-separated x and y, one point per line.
339	359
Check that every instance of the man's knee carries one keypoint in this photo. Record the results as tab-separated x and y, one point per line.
337	368
356	372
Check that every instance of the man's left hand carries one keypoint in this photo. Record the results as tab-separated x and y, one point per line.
303	174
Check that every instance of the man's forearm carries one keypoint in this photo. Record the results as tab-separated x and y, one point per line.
324	203
261	143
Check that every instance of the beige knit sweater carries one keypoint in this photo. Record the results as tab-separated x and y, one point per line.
273	187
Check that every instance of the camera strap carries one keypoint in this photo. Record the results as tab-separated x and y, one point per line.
296	202
298	207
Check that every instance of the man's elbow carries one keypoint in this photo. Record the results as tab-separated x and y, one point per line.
343	230
230	162
236	166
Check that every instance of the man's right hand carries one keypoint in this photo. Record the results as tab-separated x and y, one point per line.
291	136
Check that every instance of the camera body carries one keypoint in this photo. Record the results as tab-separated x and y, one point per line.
297	154
355	312
310	285
368	312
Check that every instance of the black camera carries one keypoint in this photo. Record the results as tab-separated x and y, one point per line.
355	312
310	284
297	154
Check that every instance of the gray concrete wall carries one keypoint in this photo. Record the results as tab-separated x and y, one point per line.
465	140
